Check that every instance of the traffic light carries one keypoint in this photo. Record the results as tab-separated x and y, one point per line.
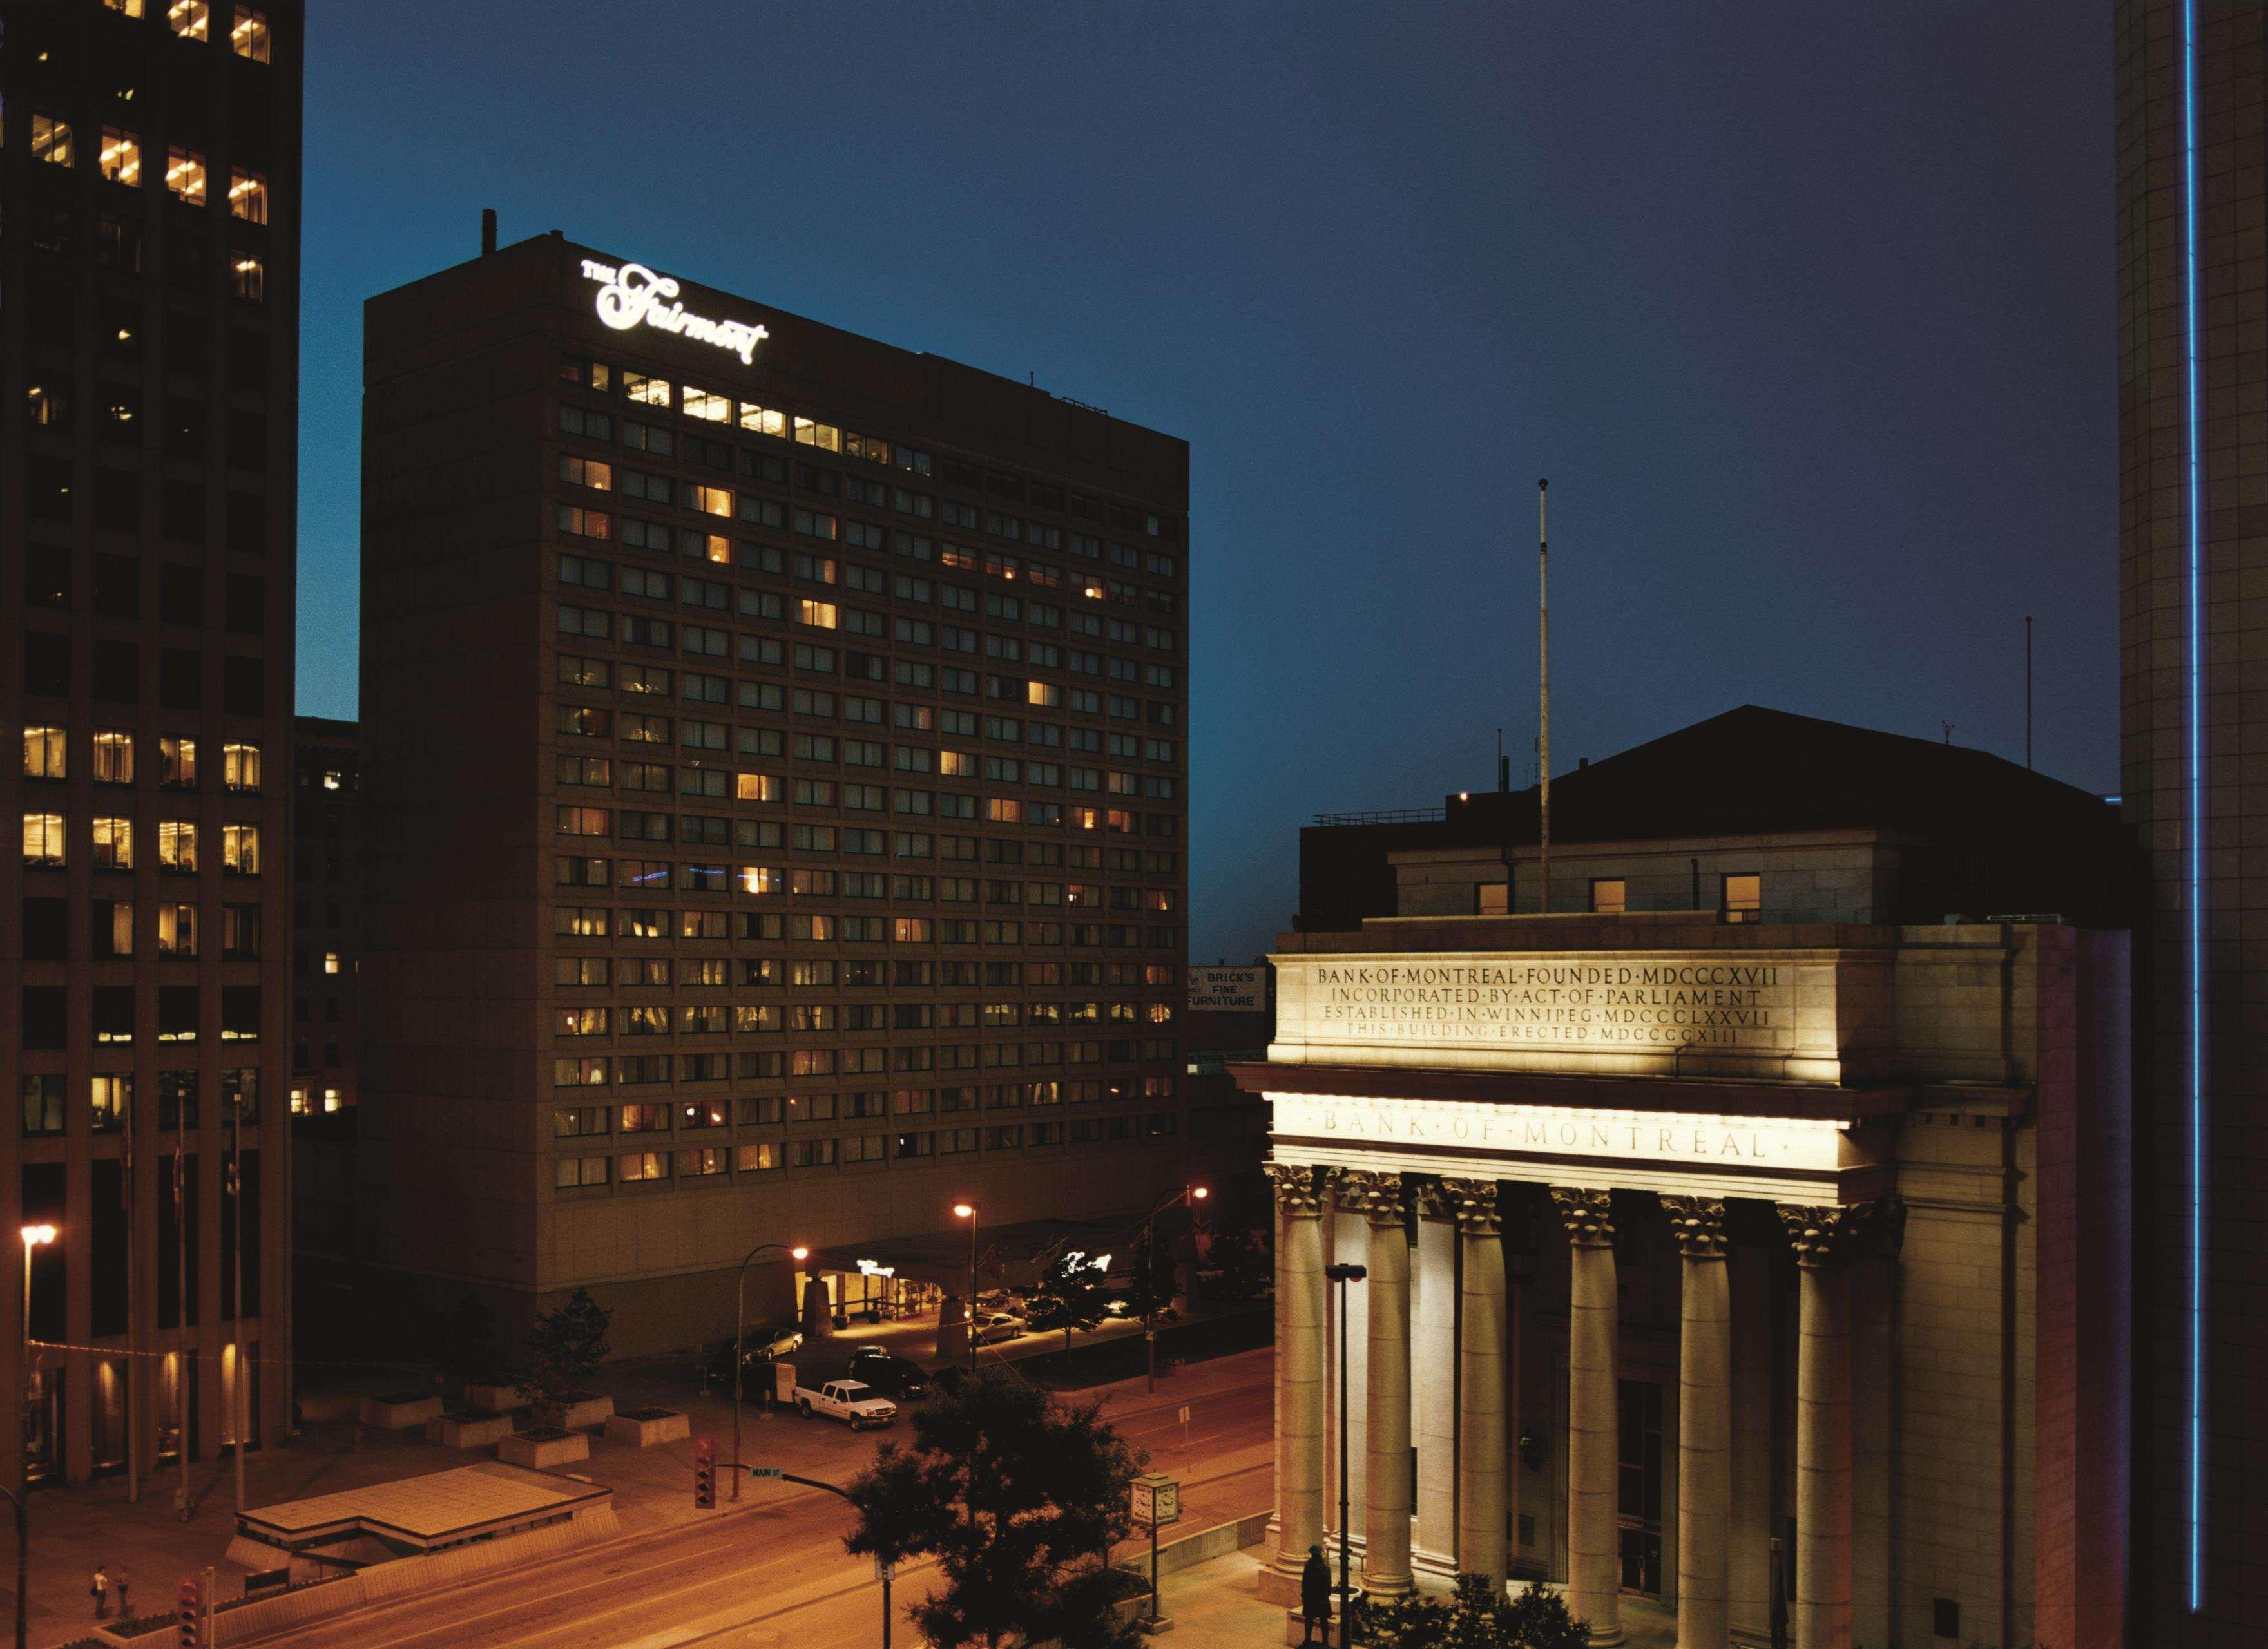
704	1473
193	1614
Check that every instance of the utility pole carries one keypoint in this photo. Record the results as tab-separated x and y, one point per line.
1344	1274
1544	682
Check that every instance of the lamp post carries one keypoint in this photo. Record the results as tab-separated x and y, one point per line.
739	1329
1192	1194
34	1236
1342	1275
968	1212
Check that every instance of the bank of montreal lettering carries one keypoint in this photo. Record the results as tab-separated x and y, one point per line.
633	294
1606	1004
1511	1128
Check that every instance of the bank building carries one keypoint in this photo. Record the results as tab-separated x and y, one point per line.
1743	1220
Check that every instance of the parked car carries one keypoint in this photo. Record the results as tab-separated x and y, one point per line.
758	1351
852	1402
993	1326
888	1372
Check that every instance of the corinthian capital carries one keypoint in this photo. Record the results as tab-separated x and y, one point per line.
1297	1194
1826	1237
1698	1223
1589	1215
1472	1204
1376	1197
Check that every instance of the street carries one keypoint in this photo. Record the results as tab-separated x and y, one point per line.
774	1571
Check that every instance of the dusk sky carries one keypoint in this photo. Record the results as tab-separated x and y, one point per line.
1806	311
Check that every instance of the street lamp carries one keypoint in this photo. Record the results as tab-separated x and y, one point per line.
1192	1194
34	1236
1342	1275
968	1212
740	1330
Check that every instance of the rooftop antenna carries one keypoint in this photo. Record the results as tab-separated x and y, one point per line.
2028	690
1543	683
1503	764
1948	730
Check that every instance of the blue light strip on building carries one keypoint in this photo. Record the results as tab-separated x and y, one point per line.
2196	834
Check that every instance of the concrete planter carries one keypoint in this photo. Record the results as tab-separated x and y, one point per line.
458	1431
585	1410
647	1428
318	1407
493	1399
399	1412
540	1454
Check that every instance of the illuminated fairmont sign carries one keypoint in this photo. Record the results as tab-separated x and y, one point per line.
1780	1011
632	295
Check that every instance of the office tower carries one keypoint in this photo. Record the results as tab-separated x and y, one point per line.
149	256
773	751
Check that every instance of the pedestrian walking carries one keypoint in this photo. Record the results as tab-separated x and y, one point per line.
120	1582
100	1593
1316	1597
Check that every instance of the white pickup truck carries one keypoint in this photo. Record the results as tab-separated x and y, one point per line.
852	1402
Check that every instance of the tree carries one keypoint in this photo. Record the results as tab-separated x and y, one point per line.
1020	1498
563	1351
1154	1276
1070	1295
1479	1616
1236	1254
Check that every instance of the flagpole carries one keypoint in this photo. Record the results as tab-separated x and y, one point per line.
1544	682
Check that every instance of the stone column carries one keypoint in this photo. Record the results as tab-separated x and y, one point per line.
1434	1353
1300	1360
1387	1508
1704	1423
1824	1239
1873	1351
1483	1482
1595	1566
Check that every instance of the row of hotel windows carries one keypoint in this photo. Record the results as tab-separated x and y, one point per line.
46	1014
587	572
659	1117
110	1100
46	756
598	1071
174	926
699	1162
119	159
707	407
825	972
1740	896
806	882
111	844
810	1018
590	921
813	494
248	35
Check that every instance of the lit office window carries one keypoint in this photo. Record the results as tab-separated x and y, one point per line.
177	763
826	436
331	1098
120	157
247	277
1744	898
177	929
111	1100
330	961
51	141
1609	895
43	840
131	8
248	195
239	767
185	175
114	845
247	36
240	849
191	19
113	758
177	845
44	752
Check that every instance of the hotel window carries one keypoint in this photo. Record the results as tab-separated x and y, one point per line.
43	840
248	277
826	436
709	500
762	420
702	403
248	195
120	157
642	1165
587	472
44	753
240	849
571	1172
810	1153
1743	899
51	140
701	1159
756	1159
647	392
191	19
1609	895
239	767
114	845
185	175
247	37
